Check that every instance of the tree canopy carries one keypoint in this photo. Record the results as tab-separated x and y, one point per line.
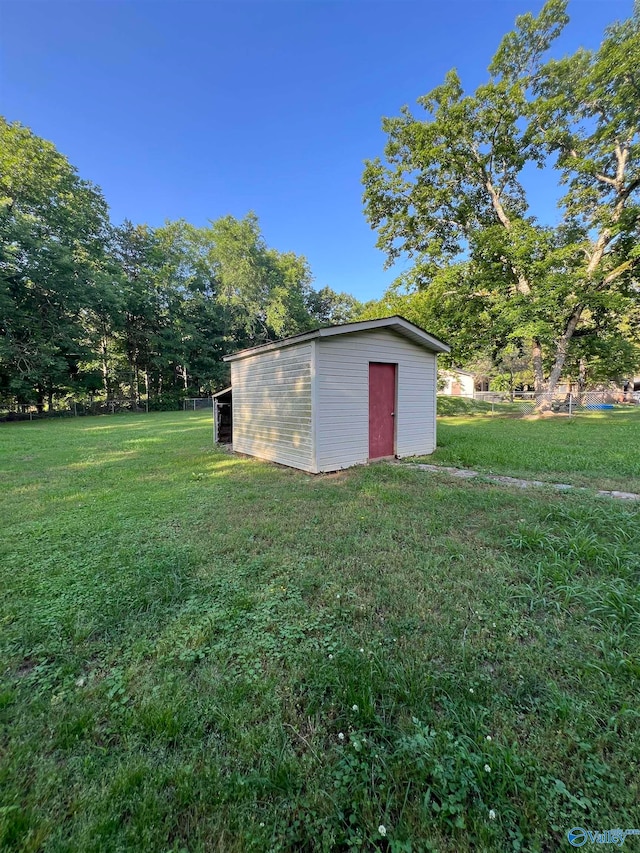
90	308
451	195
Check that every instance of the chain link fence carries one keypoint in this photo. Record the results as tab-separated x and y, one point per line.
195	404
72	408
522	404
77	408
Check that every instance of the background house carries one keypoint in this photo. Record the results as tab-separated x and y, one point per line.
457	383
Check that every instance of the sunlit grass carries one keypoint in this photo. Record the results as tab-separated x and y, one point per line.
597	450
185	634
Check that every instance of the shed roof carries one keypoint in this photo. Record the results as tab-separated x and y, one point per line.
395	324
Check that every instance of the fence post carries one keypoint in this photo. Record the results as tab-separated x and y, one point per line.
570	401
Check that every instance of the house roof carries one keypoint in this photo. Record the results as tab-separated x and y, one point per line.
395	324
453	370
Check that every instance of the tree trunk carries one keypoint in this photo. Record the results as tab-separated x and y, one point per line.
562	348
50	398
105	363
40	400
538	371
132	381
582	378
136	386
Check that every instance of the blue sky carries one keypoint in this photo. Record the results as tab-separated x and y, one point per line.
198	109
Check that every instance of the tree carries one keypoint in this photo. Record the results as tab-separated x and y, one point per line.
328	308
513	369
143	301
452	193
53	229
200	323
265	291
88	307
464	323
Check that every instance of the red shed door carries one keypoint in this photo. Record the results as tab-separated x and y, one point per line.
382	401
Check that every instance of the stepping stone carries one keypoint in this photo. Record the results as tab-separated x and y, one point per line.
468	474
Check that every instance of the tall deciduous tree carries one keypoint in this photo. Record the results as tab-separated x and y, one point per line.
53	228
452	192
265	290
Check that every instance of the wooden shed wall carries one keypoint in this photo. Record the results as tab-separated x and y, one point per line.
342	396
272	416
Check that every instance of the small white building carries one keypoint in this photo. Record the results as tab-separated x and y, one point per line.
337	396
457	383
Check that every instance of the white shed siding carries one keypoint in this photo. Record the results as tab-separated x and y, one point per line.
342	396
272	411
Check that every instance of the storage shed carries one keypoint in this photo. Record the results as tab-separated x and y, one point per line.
337	396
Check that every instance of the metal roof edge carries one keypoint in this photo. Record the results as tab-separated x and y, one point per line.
271	345
396	323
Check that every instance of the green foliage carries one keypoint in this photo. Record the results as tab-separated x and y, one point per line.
130	311
53	229
329	308
452	196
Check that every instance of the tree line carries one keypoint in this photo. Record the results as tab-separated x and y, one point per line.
90	309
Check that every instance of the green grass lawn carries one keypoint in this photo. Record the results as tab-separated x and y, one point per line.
202	652
598	450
